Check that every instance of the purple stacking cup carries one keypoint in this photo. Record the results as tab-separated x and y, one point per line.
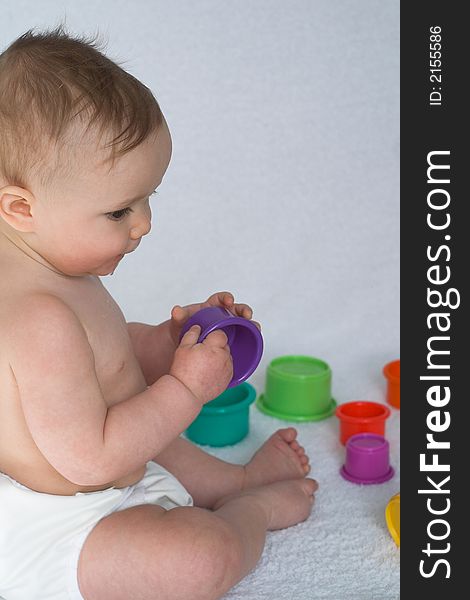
367	459
244	338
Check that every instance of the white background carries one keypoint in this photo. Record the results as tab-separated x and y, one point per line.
283	188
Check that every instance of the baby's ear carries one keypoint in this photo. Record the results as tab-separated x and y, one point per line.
15	208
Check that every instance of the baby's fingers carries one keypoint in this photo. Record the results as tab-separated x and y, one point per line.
243	310
216	338
179	314
191	337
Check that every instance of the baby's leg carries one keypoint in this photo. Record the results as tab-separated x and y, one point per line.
187	553
208	478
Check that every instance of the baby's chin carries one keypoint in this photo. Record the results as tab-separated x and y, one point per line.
80	270
109	267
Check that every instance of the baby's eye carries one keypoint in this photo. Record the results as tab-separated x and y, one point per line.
118	215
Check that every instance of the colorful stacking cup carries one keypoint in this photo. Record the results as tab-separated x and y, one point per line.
225	420
367	459
298	388
244	338
361	417
391	372
392	517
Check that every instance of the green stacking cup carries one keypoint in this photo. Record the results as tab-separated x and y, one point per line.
225	420
298	388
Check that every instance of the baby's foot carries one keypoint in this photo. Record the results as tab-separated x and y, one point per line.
284	503
280	457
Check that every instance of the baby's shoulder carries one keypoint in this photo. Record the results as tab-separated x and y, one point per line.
34	309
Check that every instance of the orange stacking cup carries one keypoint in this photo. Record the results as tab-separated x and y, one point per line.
361	417
392	375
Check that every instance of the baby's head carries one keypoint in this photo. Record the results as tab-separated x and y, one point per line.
83	145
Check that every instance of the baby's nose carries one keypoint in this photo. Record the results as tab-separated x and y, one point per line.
140	229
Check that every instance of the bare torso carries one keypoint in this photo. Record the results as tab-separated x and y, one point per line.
117	369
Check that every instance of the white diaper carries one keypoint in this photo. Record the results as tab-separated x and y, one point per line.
41	535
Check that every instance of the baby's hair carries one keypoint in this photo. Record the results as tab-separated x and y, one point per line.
50	79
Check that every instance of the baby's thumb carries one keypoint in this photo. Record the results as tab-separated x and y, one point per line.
191	336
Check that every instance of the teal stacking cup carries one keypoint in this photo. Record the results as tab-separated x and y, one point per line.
225	420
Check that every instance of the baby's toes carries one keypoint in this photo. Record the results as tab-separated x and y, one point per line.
305	463
298	449
310	486
294	445
288	434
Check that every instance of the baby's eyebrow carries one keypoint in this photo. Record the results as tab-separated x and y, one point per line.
132	200
127	203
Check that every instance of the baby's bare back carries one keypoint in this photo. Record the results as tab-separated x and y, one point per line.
117	370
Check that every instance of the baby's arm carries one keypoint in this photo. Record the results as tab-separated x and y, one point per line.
153	347
64	408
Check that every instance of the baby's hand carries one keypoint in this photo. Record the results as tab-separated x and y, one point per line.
180	314
206	368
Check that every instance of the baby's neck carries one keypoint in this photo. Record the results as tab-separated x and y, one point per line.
13	245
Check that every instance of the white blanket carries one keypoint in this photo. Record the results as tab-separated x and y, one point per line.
344	550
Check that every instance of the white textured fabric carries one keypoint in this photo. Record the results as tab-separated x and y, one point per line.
344	549
41	535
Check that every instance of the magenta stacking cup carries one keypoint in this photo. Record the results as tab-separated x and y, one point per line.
367	459
244	338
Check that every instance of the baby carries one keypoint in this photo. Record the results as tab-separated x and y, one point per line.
100	496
